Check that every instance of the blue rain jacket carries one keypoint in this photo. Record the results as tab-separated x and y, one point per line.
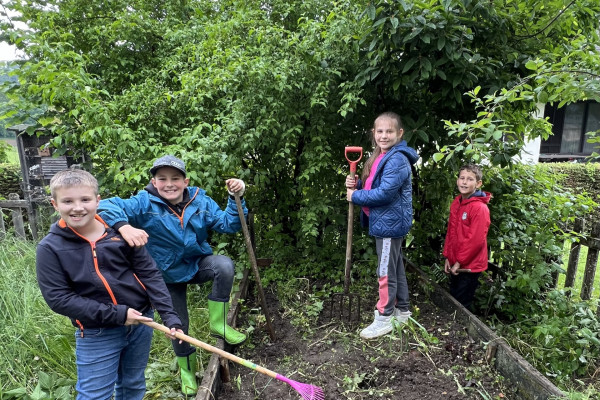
390	197
176	242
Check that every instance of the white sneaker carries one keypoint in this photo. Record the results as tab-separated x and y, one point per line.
382	325
401	316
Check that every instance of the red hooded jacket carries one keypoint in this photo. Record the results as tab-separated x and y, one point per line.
466	237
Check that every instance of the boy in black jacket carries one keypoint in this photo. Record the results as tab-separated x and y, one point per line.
87	272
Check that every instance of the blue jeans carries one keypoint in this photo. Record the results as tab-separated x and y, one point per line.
112	361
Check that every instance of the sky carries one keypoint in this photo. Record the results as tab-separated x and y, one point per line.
7	52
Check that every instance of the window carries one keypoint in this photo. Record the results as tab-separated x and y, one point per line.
570	125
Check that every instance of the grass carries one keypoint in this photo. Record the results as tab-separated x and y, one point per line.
38	345
35	339
12	156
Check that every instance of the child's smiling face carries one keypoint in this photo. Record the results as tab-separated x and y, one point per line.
170	184
467	183
77	206
386	133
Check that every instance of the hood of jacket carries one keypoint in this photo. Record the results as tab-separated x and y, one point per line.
409	152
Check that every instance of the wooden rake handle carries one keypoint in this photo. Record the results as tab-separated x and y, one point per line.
212	349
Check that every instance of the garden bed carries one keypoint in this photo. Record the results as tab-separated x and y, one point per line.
443	353
431	359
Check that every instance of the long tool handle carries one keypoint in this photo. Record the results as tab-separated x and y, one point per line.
252	257
212	349
349	247
353	162
463	270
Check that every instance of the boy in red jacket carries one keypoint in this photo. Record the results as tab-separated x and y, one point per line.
465	248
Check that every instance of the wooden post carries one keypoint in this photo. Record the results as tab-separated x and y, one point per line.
17	217
34	217
2	227
590	264
574	254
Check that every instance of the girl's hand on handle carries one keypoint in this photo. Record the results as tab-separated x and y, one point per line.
134	317
133	236
349	194
351	181
447	266
235	186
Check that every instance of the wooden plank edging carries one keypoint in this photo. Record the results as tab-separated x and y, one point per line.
530	383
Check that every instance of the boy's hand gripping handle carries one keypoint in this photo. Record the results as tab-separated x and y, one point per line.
359	151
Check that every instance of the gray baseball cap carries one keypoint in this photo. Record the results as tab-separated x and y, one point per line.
168	161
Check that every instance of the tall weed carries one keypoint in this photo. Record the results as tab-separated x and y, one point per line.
34	338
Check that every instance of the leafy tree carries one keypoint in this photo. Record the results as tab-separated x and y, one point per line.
5	80
272	91
250	90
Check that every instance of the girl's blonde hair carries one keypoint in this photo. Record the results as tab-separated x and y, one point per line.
369	163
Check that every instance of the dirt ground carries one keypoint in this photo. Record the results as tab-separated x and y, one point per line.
431	357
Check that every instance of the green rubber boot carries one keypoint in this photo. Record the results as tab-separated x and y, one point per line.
187	368
217	314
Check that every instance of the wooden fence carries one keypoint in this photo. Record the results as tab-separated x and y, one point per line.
591	239
18	209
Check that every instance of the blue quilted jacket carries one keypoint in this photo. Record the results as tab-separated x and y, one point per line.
390	197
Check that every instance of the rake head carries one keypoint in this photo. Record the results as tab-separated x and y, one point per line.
308	392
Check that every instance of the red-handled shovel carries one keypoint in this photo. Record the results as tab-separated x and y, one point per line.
353	163
347	300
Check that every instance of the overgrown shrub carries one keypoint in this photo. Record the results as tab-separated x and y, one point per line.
578	177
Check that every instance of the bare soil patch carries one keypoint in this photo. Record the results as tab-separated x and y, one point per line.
431	357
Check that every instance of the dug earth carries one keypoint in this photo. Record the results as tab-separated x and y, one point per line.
431	357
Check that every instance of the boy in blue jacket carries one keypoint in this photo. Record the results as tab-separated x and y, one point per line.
174	219
86	271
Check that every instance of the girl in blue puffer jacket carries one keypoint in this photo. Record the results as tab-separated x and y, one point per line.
385	194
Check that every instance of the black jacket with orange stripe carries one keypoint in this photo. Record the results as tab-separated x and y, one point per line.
94	283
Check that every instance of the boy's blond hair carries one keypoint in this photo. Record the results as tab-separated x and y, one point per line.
474	168
70	178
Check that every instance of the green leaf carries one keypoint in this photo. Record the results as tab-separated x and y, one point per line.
409	64
532	65
438	156
441	42
371	11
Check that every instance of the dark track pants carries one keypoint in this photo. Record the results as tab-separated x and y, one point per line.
393	287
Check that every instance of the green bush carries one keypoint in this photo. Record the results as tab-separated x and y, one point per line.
578	177
11	180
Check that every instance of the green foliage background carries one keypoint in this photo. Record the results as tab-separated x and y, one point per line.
272	91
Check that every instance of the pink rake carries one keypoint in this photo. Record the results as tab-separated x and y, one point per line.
308	392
